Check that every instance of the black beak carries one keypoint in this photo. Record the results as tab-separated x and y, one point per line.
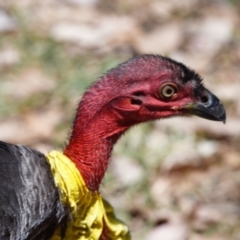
208	107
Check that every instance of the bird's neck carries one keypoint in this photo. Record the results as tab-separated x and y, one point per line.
95	131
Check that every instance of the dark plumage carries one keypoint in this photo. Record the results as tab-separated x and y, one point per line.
30	206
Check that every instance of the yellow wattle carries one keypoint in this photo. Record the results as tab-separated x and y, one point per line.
90	213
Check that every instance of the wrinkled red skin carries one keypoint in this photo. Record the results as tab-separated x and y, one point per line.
125	96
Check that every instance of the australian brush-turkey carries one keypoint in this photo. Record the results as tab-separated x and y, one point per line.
57	196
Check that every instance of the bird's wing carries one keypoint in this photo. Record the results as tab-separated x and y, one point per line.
30	207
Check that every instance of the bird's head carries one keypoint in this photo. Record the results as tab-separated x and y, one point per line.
144	88
153	87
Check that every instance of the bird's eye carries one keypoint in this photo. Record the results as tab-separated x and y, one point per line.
168	90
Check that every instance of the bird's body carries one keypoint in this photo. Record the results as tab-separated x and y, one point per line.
35	193
30	206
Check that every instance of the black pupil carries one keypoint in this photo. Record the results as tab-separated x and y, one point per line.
169	91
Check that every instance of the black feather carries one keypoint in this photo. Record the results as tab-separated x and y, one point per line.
30	206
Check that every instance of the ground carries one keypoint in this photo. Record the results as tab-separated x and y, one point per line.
174	180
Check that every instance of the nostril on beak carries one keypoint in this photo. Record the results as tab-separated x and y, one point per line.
205	99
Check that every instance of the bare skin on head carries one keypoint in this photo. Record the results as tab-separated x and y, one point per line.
144	88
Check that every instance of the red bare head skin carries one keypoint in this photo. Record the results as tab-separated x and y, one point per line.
144	88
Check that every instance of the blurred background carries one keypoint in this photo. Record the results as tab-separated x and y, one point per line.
175	179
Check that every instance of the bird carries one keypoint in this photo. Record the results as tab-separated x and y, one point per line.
57	196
